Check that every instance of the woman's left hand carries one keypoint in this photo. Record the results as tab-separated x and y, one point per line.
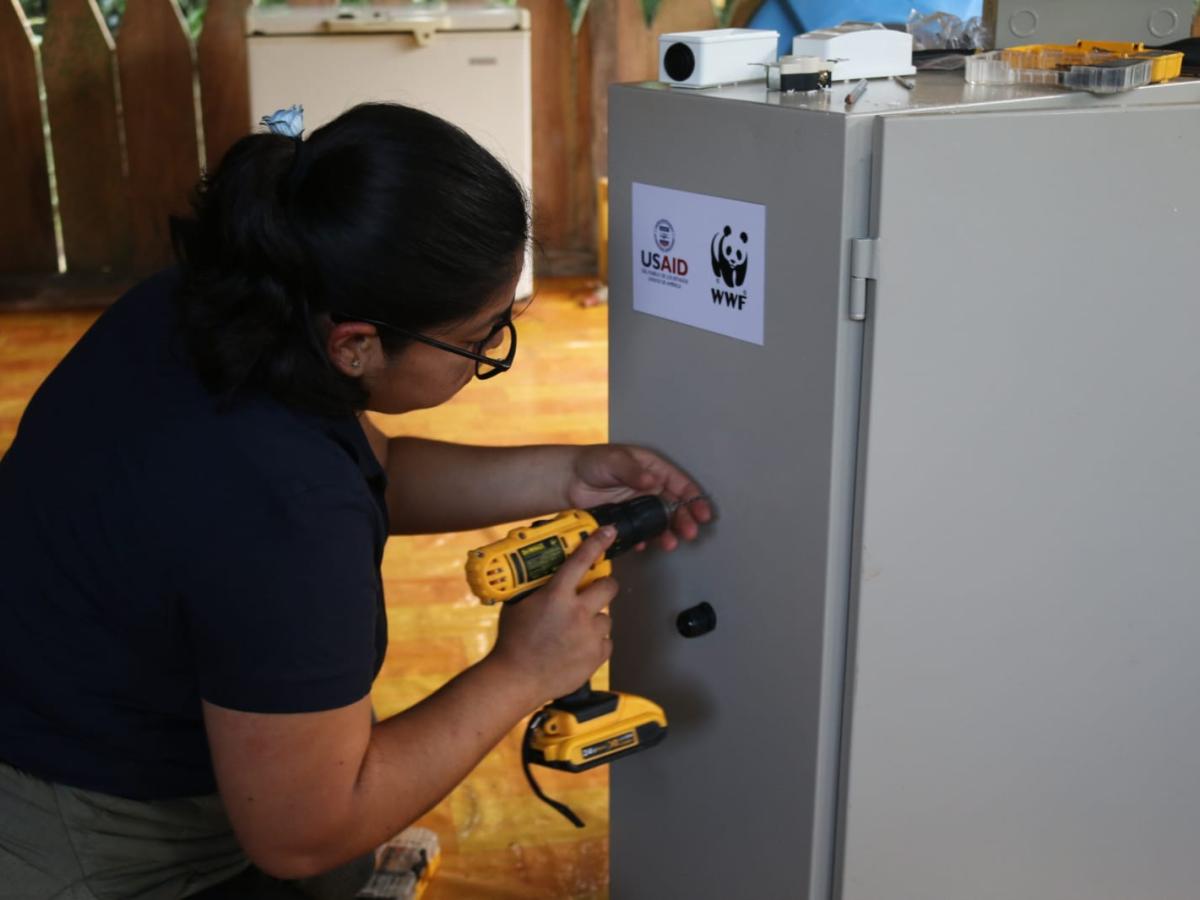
610	473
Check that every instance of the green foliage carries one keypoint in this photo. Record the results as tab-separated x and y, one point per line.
724	12
113	11
578	10
650	10
35	12
193	14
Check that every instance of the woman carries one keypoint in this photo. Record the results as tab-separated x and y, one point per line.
193	514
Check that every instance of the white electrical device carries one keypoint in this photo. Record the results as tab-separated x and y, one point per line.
858	50
698	59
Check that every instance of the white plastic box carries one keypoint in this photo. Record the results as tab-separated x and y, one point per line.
859	51
697	59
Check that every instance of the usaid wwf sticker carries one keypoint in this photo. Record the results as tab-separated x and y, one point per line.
700	260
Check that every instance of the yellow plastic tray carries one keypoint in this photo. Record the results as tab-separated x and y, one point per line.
1164	64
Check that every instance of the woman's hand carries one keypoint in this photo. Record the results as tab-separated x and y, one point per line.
609	473
557	637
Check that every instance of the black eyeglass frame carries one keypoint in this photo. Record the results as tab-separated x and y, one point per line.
497	365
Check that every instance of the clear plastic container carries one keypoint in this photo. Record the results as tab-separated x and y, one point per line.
1080	68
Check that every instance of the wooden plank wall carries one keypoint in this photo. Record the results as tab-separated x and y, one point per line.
129	136
129	141
126	133
27	241
224	78
156	60
564	183
571	78
627	50
132	124
84	100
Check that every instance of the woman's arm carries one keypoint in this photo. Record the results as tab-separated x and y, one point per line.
309	791
435	487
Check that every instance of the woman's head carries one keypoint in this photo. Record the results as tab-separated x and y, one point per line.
386	213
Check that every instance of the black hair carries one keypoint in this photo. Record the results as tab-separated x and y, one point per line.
386	212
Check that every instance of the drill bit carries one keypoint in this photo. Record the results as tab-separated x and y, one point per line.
672	508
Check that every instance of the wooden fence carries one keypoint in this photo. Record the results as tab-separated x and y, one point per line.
132	123
125	129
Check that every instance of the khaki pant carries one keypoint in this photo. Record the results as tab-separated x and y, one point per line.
70	844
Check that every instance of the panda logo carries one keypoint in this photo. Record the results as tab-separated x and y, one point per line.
729	259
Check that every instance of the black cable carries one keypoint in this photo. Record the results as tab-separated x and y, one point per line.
526	757
1190	48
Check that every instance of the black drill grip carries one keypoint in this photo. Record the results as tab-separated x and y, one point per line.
637	520
585	704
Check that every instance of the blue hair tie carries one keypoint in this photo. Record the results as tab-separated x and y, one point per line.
288	122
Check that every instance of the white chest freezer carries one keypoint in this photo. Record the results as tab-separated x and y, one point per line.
469	64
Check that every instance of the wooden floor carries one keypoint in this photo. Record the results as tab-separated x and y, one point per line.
498	840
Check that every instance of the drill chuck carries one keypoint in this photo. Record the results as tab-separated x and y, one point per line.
636	520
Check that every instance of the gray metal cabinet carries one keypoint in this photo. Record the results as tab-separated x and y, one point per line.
955	570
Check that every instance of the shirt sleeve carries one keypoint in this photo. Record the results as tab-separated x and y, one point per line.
283	618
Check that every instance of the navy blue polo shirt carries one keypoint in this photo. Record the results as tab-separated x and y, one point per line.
158	548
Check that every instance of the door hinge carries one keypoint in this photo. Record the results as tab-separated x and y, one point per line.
864	266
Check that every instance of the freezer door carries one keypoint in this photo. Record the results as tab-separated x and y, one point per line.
734	802
1024	719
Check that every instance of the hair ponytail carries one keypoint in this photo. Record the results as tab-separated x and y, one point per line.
386	212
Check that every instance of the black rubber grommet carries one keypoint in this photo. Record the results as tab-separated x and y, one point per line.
700	619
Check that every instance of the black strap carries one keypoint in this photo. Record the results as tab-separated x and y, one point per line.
1190	48
526	756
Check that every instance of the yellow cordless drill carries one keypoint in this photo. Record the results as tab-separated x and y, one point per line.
586	728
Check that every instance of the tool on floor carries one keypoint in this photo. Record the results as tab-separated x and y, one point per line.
404	866
586	728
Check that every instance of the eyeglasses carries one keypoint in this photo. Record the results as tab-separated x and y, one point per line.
485	366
